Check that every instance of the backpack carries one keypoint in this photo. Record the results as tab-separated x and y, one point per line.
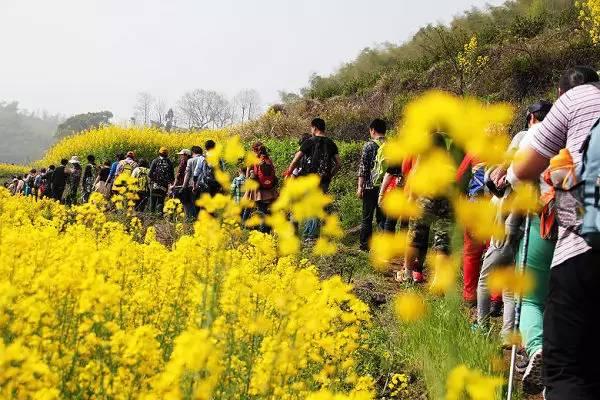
142	179
161	174
127	168
379	164
477	183
589	176
265	173
319	162
207	180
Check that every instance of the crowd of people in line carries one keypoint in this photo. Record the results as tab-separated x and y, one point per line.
557	321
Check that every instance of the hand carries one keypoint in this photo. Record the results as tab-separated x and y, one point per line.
360	192
497	176
380	199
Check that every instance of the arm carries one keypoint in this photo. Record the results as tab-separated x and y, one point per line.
529	164
362	169
384	184
295	161
337	166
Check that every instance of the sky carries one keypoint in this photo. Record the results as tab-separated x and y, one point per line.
74	56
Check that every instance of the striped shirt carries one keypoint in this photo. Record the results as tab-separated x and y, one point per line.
567	126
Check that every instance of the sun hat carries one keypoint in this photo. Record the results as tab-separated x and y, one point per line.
74	160
185	151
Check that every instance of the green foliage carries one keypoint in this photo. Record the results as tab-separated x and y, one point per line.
83	122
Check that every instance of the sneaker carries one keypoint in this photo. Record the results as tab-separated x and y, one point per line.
532	378
417	277
496	308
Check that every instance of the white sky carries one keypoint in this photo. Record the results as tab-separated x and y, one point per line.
72	56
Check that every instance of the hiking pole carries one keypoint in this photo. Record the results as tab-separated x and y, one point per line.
518	303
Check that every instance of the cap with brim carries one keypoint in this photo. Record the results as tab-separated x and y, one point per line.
539	106
162	150
185	151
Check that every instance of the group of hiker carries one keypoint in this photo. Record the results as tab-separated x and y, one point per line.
559	150
556	320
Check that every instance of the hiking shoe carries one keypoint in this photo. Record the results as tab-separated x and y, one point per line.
417	277
532	378
496	308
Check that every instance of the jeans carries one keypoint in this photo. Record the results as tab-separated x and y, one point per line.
571	326
539	259
312	227
496	257
188	201
370	208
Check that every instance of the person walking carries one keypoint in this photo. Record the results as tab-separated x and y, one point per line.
47	181
263	172
322	159
89	177
140	173
570	346
101	183
74	180
189	195
161	176
369	181
59	180
204	173
113	168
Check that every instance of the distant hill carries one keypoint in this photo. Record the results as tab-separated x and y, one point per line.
514	52
24	136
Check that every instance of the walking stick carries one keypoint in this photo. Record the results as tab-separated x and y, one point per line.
522	265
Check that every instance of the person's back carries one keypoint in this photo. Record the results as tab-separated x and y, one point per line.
59	177
320	152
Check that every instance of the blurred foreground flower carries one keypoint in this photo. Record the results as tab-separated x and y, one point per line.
462	380
410	306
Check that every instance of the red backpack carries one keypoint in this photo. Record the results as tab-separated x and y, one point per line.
264	172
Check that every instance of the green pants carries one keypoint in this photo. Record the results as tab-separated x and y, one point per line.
539	259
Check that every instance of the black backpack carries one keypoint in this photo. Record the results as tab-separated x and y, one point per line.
320	162
162	173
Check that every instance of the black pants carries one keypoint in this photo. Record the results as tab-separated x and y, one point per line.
157	202
142	201
370	208
57	192
571	346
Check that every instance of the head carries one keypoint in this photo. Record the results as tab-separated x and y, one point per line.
163	152
377	128
33	171
196	150
576	76
64	162
43	171
107	163
52	167
91	159
259	149
241	170
209	145
120	156
537	112
143	163
317	127
131	155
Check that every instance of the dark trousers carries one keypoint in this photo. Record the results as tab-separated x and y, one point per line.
157	202
370	209
142	201
188	201
57	192
571	347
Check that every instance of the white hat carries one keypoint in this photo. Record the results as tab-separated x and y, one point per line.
74	160
185	151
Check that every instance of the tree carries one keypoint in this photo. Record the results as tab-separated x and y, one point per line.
247	102
200	108
143	107
160	110
83	122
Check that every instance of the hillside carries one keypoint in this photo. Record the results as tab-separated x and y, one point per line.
514	52
24	136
